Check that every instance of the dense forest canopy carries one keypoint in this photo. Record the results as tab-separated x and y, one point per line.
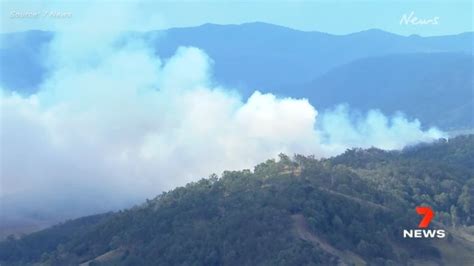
349	210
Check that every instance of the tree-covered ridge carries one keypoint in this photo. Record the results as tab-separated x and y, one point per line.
438	175
349	209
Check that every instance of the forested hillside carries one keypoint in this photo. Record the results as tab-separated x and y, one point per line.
346	210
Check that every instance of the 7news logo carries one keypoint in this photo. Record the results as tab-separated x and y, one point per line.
428	215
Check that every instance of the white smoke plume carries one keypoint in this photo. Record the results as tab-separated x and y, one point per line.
114	124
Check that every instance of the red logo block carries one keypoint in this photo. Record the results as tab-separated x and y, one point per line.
428	215
422	232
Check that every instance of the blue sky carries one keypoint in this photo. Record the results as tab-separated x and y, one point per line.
338	17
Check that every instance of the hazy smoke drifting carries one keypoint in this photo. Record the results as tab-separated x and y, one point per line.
114	124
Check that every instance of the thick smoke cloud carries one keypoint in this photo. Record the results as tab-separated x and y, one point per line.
114	124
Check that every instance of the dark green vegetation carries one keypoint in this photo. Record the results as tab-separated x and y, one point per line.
301	211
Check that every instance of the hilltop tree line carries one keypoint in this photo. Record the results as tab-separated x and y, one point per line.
356	202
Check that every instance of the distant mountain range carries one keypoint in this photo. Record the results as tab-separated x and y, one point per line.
436	88
259	56
426	77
